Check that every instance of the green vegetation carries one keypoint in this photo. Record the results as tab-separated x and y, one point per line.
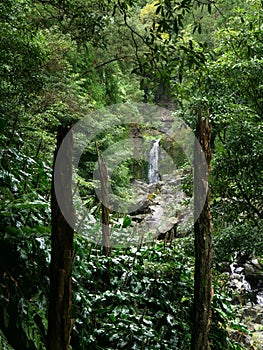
59	62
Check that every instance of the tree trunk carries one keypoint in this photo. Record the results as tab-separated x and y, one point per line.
105	198
203	240
60	303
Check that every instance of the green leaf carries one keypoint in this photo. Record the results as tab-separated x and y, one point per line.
112	318
29	205
126	222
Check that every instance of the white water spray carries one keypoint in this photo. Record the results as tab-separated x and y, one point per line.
153	173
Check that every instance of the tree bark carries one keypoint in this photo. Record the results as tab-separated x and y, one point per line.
60	303
105	198
203	239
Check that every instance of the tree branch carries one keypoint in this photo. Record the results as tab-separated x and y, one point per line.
243	193
104	64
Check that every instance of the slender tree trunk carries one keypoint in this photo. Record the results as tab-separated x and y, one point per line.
60	304
105	198
203	240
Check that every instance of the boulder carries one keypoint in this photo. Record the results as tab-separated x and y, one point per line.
253	271
259	318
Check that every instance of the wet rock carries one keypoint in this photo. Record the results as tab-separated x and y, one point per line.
252	316
165	209
259	319
249	313
254	272
237	276
239	269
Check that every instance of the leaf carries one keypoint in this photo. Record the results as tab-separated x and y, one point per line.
184	299
112	318
126	222
158	9
29	205
170	319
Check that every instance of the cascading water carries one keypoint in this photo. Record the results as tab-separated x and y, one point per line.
153	173
237	280
260	298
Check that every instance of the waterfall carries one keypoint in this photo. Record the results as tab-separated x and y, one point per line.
260	298
153	174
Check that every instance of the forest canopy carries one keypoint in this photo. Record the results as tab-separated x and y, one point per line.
62	62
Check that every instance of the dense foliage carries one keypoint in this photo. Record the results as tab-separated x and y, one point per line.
61	60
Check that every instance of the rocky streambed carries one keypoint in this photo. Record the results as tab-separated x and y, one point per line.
246	281
167	211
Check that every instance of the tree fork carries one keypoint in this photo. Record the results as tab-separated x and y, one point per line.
60	303
203	238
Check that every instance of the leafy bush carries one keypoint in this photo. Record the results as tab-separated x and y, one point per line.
225	323
138	298
4	343
24	291
238	240
141	298
135	299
